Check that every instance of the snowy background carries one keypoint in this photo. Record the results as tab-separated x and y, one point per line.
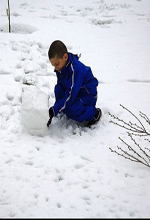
70	171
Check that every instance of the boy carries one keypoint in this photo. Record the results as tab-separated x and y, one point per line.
76	88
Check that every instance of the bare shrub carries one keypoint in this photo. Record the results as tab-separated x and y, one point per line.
137	132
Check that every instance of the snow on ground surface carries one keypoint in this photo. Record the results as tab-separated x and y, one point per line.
70	171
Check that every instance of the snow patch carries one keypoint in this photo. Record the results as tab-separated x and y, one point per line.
18	28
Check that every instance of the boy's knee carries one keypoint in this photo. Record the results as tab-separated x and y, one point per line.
76	108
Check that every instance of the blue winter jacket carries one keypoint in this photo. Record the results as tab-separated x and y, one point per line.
77	80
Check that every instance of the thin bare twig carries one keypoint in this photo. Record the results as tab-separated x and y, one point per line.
145	117
134	151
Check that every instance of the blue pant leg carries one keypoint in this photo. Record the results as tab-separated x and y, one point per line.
82	110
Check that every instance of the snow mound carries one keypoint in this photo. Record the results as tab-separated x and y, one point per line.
18	28
34	110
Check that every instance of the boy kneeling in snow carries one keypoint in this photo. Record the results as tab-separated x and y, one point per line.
76	88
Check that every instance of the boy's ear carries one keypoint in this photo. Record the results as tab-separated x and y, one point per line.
66	56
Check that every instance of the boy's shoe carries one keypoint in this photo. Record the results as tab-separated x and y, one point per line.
96	118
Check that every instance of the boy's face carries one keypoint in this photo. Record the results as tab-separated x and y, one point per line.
59	63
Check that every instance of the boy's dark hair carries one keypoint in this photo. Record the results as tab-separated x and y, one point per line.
57	48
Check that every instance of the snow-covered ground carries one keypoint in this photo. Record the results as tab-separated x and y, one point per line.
70	171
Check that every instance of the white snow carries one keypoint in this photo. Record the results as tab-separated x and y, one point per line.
34	111
69	171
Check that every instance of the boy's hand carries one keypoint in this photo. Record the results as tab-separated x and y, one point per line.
51	112
51	115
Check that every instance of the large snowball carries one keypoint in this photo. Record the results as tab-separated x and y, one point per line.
34	110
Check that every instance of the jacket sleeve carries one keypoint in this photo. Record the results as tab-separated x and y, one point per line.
74	84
